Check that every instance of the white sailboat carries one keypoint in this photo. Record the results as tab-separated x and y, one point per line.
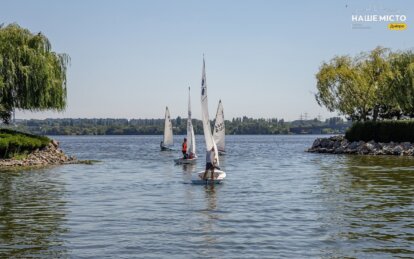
217	176
191	148
167	141
219	130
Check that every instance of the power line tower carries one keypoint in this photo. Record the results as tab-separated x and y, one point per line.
319	117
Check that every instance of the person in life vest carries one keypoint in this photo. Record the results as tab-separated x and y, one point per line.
184	149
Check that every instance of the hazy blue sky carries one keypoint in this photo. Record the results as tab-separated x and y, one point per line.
132	58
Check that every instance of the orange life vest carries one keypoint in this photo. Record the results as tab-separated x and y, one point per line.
185	147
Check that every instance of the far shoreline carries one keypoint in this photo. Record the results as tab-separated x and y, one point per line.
79	135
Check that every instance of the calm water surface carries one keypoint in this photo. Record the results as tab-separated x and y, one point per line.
277	202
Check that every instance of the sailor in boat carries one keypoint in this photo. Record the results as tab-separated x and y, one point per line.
210	163
184	149
162	145
191	155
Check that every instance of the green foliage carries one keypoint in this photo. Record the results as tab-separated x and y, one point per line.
402	81
374	85
32	76
382	131
242	125
18	143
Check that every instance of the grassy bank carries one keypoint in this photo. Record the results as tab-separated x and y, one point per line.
382	131
17	144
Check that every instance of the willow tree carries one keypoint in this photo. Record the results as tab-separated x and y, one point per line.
32	76
356	87
341	89
401	82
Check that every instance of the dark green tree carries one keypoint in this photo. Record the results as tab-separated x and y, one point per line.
32	76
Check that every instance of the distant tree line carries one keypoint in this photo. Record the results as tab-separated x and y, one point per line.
241	125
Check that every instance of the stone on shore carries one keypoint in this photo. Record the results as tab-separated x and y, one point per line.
49	155
340	145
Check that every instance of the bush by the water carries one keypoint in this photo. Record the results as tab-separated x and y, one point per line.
382	131
15	142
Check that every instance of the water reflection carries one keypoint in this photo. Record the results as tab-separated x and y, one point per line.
210	219
211	196
32	213
369	204
189	168
283	203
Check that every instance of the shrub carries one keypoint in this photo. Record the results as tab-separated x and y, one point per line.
14	142
382	131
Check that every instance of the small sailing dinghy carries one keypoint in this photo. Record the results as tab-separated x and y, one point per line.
167	142
191	150
219	130
218	175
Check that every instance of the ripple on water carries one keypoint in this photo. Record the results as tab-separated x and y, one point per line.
277	202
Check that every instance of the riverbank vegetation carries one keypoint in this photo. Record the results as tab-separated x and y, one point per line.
16	144
382	131
375	90
371	86
32	76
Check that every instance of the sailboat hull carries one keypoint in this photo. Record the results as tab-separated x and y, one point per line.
218	177
163	148
182	161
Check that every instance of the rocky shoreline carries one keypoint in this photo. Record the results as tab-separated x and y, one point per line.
340	145
49	155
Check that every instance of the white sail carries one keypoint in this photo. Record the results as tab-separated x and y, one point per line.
168	131
190	130
205	116
193	146
219	128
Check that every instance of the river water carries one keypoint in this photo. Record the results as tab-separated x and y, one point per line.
277	202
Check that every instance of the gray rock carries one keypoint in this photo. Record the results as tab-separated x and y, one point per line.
316	143
340	145
55	143
370	147
410	152
339	150
406	145
326	143
397	150
337	138
387	149
362	149
350	151
353	145
337	144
